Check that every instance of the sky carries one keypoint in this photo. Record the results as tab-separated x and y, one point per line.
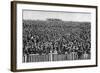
65	16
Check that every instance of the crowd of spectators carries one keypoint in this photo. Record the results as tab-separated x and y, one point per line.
73	42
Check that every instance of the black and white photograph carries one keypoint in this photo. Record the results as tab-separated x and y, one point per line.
47	36
56	36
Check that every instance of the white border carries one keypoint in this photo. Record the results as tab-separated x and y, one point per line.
21	65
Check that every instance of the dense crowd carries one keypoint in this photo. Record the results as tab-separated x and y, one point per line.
78	43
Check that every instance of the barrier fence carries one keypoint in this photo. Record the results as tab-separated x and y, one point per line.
53	57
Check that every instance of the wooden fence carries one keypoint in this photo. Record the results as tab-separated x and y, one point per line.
52	57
